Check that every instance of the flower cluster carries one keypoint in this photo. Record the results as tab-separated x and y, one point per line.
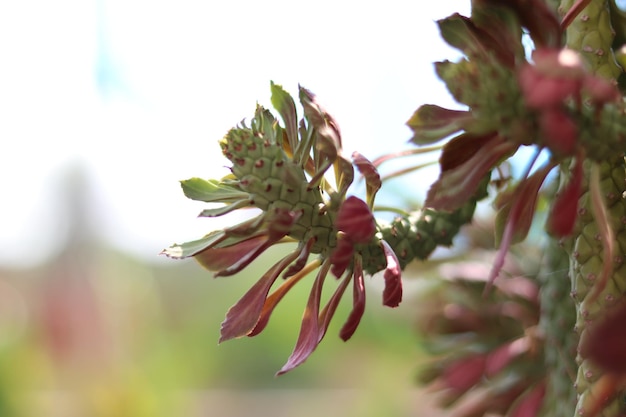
548	101
280	170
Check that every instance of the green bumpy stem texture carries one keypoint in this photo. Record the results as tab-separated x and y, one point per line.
557	324
263	169
591	34
417	235
586	268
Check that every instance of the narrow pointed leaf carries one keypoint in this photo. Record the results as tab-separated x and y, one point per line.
432	123
188	249
282	101
220	211
308	339
392	294
358	303
211	191
244	315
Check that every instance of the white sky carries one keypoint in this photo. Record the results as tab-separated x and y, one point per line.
138	93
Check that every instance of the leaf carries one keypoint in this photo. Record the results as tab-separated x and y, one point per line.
283	102
188	249
220	211
211	191
392	294
358	304
308	339
432	123
457	185
243	316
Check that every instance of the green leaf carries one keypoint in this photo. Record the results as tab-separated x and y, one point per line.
211	191
432	123
188	249
219	211
283	102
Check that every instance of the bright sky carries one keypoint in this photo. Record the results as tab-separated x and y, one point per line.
138	93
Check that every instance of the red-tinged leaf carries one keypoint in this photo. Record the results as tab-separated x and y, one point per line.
530	404
600	91
282	101
221	258
432	123
358	303
329	309
559	131
500	358
605	341
371	175
520	215
356	220
461	32
341	256
308	339
242	317
462	148
392	294
457	185
272	301
564	211
464	373
542	24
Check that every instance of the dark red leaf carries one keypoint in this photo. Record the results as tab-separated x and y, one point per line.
242	317
392	294
356	220
358	303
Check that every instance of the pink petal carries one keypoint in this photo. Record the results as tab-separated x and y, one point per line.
358	304
308	339
392	294
356	220
242	317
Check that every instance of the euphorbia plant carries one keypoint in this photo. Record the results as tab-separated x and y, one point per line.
534	74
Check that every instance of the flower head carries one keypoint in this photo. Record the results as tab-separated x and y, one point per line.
280	171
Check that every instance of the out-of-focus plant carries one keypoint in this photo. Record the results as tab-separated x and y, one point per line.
535	74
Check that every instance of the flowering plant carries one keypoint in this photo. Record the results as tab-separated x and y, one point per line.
560	96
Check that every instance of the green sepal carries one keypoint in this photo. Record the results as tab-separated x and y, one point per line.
211	191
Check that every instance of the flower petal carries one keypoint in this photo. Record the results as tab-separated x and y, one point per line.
244	315
341	256
308	339
392	294
329	309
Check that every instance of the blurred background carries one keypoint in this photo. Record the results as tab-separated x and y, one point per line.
104	106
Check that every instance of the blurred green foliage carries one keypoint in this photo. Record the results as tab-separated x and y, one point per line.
98	333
